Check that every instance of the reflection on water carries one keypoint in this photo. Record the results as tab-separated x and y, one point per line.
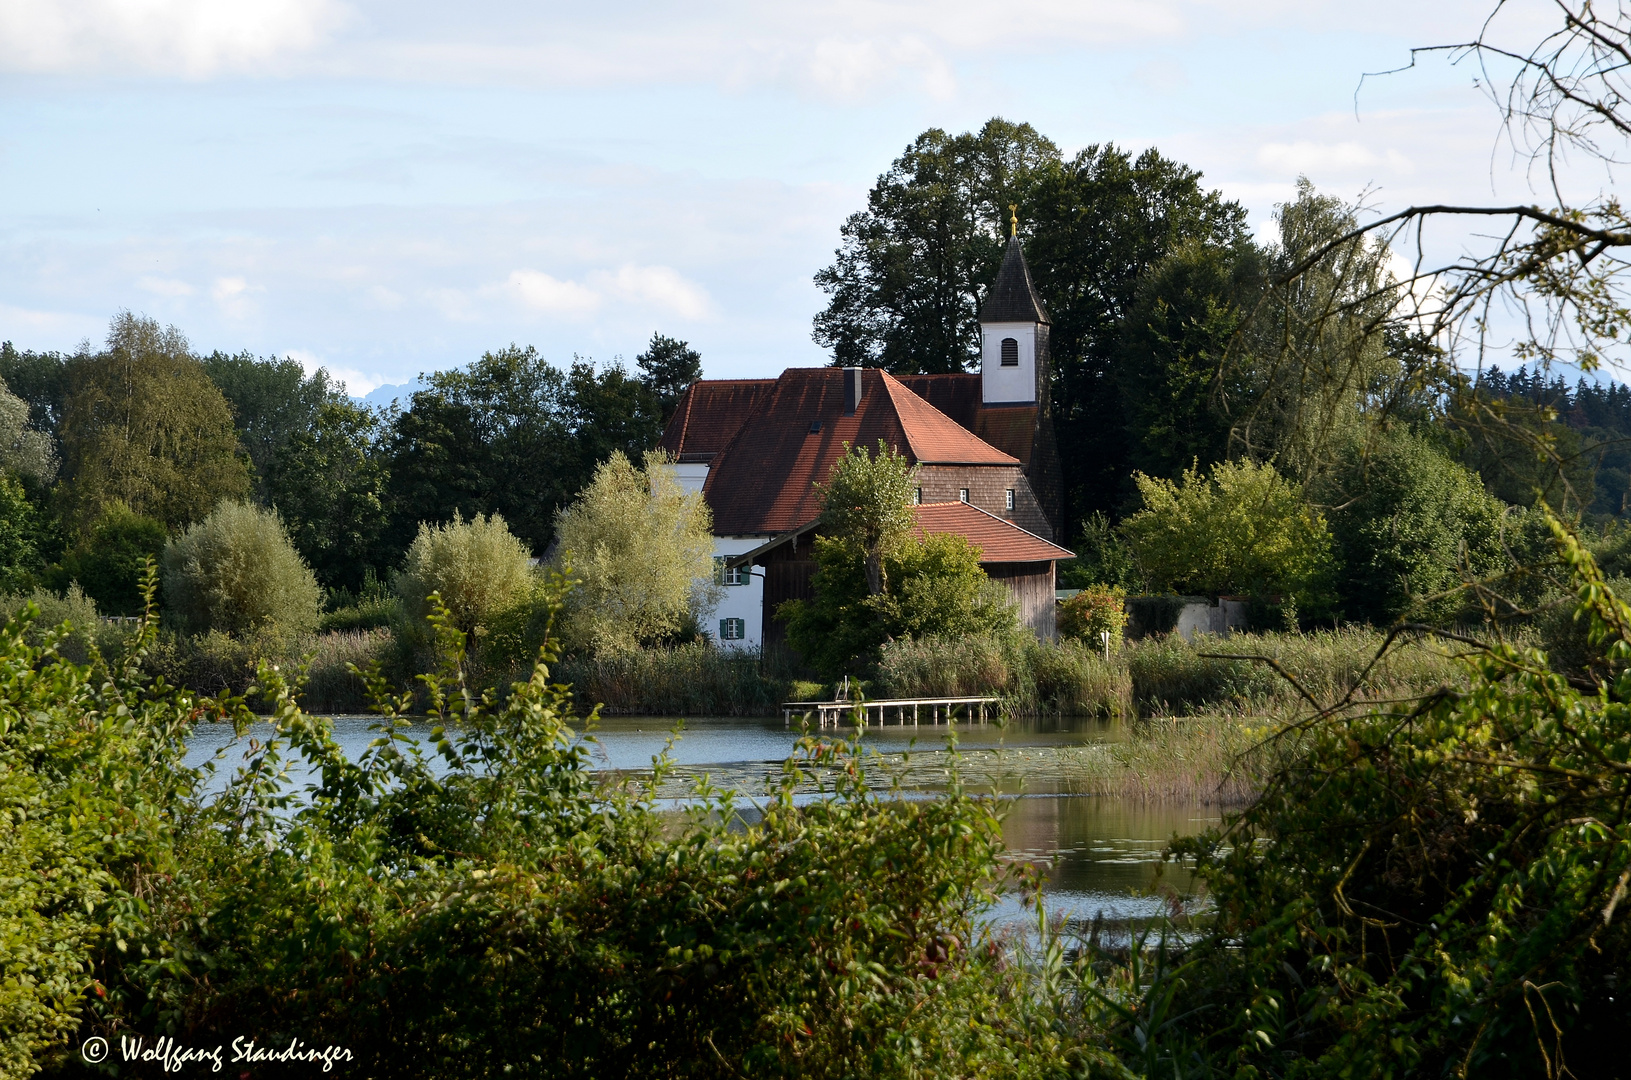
1105	853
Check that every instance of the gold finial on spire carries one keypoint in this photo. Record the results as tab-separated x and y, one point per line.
1013	219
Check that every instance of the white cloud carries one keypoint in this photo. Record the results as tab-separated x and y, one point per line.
357	383
231	295
660	287
540	292
165	286
169	37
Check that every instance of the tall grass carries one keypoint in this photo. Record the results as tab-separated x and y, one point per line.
1165	675
1032	677
693	679
1171	677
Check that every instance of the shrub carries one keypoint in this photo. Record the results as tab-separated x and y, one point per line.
934	587
236	572
1445	890
1408	517
641	547
1096	610
87	629
1243	528
477	567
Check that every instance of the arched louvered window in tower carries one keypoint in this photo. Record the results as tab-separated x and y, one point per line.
1010	352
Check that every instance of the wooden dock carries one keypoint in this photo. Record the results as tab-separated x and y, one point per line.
931	710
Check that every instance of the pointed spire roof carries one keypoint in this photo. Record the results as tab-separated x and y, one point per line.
1012	297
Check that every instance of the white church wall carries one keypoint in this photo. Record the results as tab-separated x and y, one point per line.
691	475
1008	384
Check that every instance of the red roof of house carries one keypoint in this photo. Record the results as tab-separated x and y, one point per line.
709	413
1010	428
999	541
763	480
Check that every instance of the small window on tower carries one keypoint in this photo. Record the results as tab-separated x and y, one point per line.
1010	352
1009	502
962	494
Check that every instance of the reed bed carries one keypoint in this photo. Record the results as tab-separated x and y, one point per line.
687	680
1031	677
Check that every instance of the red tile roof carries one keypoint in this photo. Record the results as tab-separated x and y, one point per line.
709	413
958	396
763	480
999	541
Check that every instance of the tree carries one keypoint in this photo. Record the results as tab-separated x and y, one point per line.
40	379
478	567
272	401
1241	528
515	436
935	587
667	367
330	484
23	450
20	528
867	502
1408	523
236	572
1171	361
109	559
145	426
641	548
1094	227
905	285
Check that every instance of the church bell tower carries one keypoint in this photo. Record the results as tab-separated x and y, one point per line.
1014	332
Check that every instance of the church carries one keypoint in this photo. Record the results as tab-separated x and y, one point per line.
982	441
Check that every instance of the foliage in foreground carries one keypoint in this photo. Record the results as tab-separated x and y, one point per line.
1437	888
476	904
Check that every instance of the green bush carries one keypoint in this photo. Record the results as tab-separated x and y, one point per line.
1096	610
480	905
1444	889
236	573
1411	526
477	567
86	628
1241	529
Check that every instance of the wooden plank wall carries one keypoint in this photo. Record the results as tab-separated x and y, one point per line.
1032	585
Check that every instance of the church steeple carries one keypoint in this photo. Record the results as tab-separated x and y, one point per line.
1014	326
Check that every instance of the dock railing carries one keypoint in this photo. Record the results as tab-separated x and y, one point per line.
912	711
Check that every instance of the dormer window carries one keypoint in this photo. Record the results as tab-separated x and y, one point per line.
1010	352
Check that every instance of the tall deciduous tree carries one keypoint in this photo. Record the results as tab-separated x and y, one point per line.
272	401
145	426
329	483
908	278
906	282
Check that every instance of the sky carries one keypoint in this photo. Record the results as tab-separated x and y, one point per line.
385	189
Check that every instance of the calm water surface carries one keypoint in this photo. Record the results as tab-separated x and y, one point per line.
1104	853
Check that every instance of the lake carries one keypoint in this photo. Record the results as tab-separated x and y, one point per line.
1104	853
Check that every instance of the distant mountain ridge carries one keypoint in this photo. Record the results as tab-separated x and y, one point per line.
380	397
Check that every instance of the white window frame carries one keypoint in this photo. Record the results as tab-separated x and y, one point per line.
726	626
1009	500
962	495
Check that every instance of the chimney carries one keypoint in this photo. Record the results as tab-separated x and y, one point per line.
852	390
